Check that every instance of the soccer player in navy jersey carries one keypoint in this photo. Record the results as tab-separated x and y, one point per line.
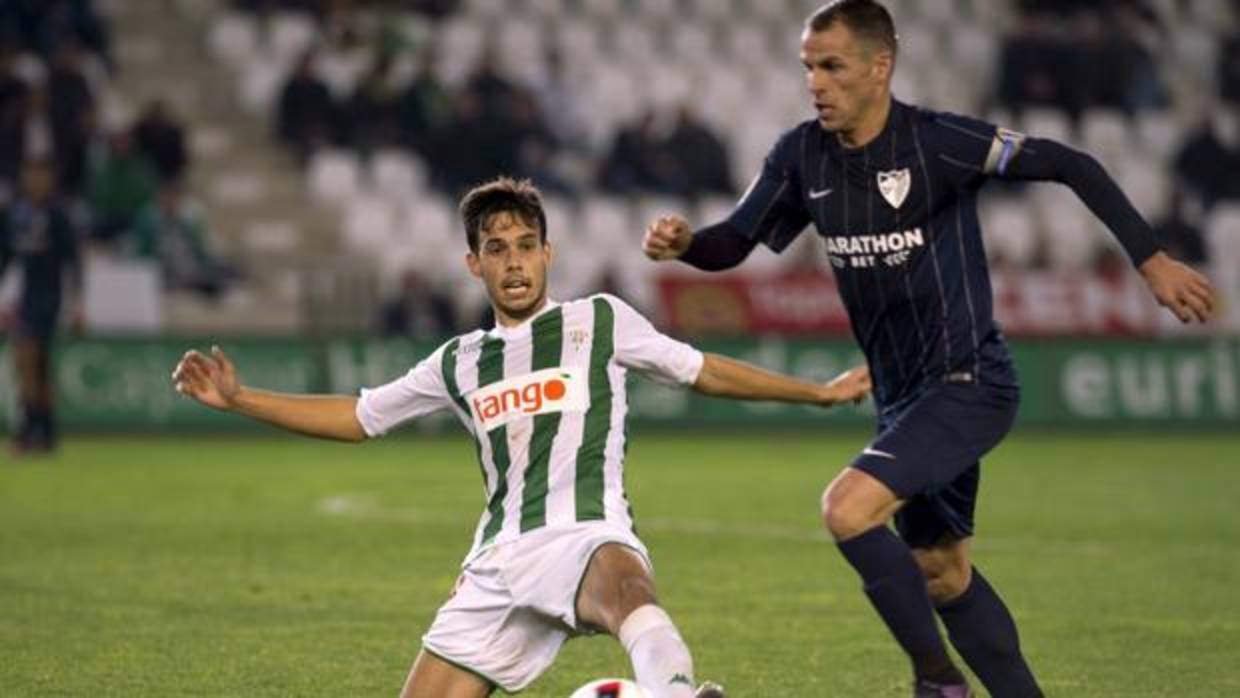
37	236
893	190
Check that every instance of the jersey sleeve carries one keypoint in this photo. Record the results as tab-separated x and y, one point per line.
642	348
976	149
772	210
419	392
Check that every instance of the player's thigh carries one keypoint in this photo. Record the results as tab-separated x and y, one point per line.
433	677
616	583
26	355
855	502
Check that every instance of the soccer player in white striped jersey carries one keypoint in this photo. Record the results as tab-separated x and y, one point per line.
543	395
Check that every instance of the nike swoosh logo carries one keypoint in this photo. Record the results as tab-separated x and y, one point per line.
819	193
876	452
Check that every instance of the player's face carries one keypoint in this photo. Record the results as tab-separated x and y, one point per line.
846	81
512	261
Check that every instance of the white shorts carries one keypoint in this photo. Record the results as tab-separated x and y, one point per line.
515	604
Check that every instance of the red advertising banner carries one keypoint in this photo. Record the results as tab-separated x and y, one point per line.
1027	303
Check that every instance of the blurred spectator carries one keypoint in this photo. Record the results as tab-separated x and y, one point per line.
374	109
25	134
1180	232
636	162
13	88
1208	161
536	145
171	231
160	138
307	114
492	90
560	103
705	167
37	235
42	25
425	109
418	311
121	184
1093	58
72	109
1229	69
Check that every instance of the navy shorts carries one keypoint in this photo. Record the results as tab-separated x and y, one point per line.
929	453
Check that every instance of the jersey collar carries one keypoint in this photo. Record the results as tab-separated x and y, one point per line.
509	332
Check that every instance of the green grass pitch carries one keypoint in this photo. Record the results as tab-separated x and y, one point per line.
224	566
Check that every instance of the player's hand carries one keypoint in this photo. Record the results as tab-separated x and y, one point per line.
667	238
852	386
211	380
1179	288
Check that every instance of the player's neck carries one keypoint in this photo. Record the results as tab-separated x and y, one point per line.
869	127
509	321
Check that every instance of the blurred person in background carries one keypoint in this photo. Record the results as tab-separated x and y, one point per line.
36	236
701	155
71	106
121	183
171	231
893	189
1210	158
418	310
425	109
307	115
160	137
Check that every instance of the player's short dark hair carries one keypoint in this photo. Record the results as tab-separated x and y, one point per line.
868	19
502	195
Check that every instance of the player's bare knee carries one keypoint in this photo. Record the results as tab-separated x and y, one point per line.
947	571
844	517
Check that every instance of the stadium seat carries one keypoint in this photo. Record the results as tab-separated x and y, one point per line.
940	14
1195	49
548	9
1105	133
369	225
603	11
233	39
1009	231
1048	123
1073	239
1159	135
711	10
334	176
1146	183
607	223
260	83
748	41
343	69
121	295
486	9
1223	235
974	51
290	34
919	45
397	175
659	11
272	237
1214	15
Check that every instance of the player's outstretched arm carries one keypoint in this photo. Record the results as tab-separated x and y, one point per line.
724	377
212	380
713	248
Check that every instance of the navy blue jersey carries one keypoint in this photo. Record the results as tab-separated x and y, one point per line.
41	241
899	217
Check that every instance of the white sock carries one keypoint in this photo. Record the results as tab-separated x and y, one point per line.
661	661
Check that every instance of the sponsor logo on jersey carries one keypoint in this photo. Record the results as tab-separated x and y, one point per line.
562	389
866	251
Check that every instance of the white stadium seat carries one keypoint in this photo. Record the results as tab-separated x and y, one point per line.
233	38
1073	239
397	175
290	34
369	225
1048	123
1105	133
1223	234
1159	135
334	176
1009	231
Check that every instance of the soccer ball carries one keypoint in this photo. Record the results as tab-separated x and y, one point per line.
610	688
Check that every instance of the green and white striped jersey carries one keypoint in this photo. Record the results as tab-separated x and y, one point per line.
546	404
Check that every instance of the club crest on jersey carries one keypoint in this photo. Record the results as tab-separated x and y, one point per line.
578	337
563	389
894	186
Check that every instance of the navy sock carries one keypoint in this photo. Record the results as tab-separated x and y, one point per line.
897	590
984	633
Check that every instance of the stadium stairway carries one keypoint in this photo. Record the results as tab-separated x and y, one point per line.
255	204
